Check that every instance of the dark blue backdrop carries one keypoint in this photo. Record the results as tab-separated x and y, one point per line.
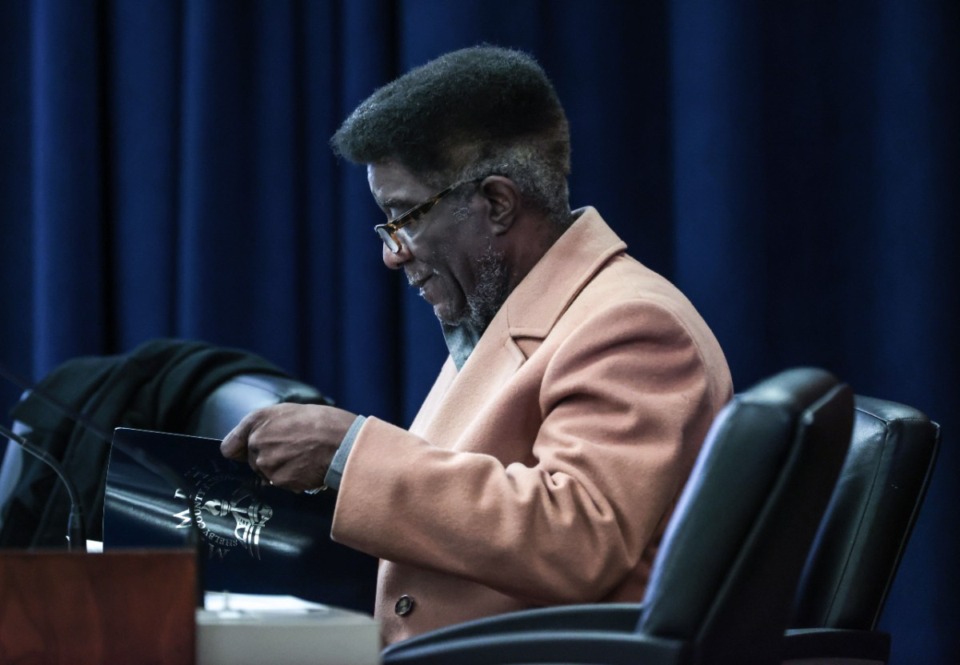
793	166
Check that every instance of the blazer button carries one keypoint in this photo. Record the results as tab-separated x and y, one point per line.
404	606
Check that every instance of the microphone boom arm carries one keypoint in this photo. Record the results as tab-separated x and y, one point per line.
76	529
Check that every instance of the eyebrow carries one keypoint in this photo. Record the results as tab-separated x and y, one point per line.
402	204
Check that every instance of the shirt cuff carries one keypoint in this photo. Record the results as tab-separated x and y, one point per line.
339	463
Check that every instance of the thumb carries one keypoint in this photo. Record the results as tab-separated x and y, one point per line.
234	444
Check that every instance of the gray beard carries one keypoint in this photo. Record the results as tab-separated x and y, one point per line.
492	289
490	294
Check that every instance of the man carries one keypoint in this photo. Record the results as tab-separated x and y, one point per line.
545	462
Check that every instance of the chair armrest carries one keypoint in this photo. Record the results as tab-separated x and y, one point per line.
546	647
837	644
614	617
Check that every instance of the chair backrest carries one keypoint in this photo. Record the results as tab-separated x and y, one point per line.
868	522
236	397
725	575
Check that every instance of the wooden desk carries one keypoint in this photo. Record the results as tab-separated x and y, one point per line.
117	607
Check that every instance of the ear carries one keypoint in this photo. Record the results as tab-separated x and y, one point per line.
503	202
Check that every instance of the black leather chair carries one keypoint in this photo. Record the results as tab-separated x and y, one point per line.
861	541
722	585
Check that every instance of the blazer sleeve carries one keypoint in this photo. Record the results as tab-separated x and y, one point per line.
625	401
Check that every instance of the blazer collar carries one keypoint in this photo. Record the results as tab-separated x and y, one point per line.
568	265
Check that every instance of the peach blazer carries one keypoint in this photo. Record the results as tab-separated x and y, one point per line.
545	470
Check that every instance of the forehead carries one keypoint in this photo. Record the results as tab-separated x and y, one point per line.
393	186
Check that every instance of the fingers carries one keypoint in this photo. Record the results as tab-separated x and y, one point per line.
289	445
234	444
257	441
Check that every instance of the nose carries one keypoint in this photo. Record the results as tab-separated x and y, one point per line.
395	261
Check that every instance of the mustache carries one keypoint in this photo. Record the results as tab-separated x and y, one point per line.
416	280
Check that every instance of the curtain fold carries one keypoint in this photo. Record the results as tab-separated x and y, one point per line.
143	42
69	228
793	167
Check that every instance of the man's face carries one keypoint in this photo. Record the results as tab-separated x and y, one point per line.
448	252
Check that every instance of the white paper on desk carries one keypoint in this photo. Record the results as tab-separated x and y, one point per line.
253	629
222	601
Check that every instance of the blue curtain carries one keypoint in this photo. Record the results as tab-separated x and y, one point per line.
164	172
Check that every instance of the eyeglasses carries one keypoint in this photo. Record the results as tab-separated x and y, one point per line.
388	231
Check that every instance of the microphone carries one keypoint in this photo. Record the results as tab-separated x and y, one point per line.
76	531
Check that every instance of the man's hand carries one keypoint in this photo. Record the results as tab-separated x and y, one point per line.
291	445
